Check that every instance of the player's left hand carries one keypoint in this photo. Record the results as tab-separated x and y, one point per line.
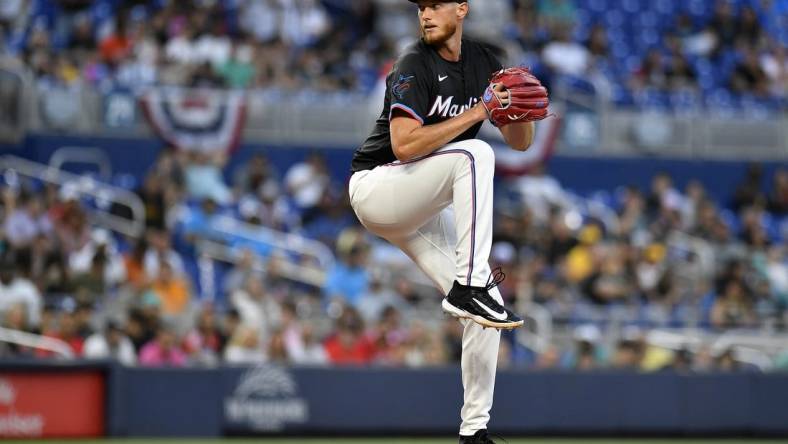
515	95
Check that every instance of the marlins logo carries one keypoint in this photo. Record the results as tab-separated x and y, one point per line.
401	86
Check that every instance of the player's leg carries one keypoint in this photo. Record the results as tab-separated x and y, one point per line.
432	248
402	196
397	199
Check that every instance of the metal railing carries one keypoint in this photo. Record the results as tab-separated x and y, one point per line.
538	334
298	258
755	348
291	270
39	342
104	195
85	155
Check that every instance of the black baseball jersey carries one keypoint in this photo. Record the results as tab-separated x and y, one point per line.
430	89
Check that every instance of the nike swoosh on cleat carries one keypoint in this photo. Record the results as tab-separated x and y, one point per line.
500	316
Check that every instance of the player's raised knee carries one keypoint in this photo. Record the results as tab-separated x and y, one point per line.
482	151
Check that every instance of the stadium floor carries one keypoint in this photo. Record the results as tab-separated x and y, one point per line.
404	441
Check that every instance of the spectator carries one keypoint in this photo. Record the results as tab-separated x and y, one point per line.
748	28
71	224
204	178
18	290
182	47
214	47
679	74
557	13
748	192
14	318
694	42
255	306
66	331
134	263
651	73
378	298
611	284
348	345
25	220
303	23
585	355
254	174
726	361
172	290
153	197
682	361
565	56
423	348
307	181
163	351
776	270
239	71
597	43
261	18
775	64
160	251
748	76
117	46
204	343
628	355
778	196
390	339
733	308
245	347
311	351
112	343
724	26
348	279
100	256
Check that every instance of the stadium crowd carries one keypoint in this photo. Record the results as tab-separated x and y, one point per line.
663	53
623	260
141	301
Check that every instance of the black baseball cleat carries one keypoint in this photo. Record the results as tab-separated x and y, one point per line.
480	437
476	304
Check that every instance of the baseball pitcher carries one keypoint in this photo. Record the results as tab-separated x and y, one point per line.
423	181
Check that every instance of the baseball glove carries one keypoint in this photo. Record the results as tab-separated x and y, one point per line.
528	99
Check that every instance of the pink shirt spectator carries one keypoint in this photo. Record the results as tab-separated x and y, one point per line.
154	355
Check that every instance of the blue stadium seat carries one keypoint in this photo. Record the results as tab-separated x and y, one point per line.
664	7
614	18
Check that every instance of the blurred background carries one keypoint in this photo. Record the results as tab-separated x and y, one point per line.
174	195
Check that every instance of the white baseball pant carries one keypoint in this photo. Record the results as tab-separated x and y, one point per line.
410	204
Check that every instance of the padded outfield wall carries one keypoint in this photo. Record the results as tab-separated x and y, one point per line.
264	400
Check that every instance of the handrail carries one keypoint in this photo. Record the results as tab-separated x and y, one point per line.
756	349
224	253
82	154
87	186
541	337
277	239
26	339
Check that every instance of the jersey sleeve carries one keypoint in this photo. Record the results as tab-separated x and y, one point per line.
409	87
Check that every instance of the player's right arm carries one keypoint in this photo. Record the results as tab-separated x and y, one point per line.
410	139
411	88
